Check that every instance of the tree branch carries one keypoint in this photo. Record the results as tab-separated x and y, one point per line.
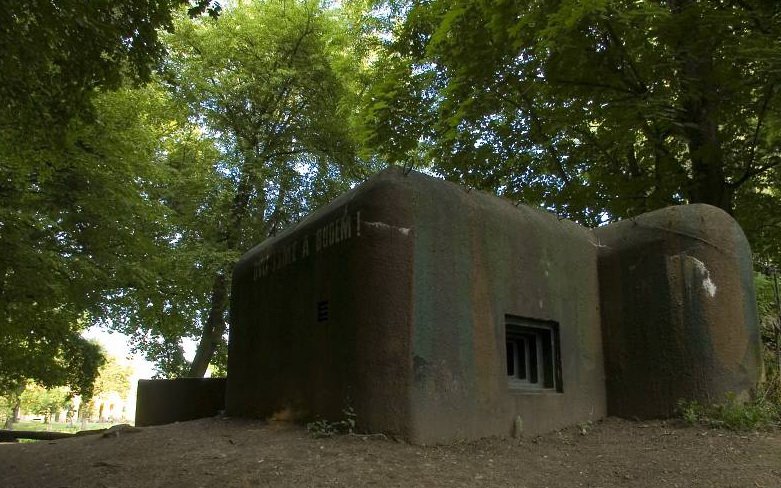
757	171
537	126
639	85
755	140
592	84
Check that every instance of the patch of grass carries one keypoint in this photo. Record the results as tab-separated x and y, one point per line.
324	428
585	427
763	412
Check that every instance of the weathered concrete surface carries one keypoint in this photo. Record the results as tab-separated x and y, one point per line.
678	310
165	401
392	301
417	276
352	261
478	258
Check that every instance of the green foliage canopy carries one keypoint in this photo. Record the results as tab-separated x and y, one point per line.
599	110
78	221
73	194
113	377
44	401
269	85
56	54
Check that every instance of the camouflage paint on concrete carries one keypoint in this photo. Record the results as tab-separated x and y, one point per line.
678	310
321	317
392	301
478	258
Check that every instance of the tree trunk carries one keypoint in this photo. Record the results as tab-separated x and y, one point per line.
14	417
778	323
215	324
699	115
213	329
708	180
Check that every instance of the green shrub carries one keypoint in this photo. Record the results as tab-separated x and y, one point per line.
763	412
324	428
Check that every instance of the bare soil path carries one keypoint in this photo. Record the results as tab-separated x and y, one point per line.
241	453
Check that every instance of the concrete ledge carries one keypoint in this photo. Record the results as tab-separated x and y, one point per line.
166	401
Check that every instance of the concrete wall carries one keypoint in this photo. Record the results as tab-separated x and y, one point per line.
678	309
166	401
393	301
418	276
477	259
321	316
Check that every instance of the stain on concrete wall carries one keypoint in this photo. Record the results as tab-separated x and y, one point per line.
478	259
328	329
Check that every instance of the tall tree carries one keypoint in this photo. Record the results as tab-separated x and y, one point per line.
113	377
166	307
83	223
269	83
56	54
71	181
598	109
44	401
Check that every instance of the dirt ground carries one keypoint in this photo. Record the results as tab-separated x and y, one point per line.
240	453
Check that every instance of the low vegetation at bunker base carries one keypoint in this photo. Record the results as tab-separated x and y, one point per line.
763	411
325	428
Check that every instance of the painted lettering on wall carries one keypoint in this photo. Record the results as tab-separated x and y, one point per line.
332	233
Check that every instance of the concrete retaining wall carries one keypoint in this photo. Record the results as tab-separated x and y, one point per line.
165	401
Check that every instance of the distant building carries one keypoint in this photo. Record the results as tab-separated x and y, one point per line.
111	406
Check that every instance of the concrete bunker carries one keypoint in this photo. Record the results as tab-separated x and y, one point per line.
679	314
436	313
